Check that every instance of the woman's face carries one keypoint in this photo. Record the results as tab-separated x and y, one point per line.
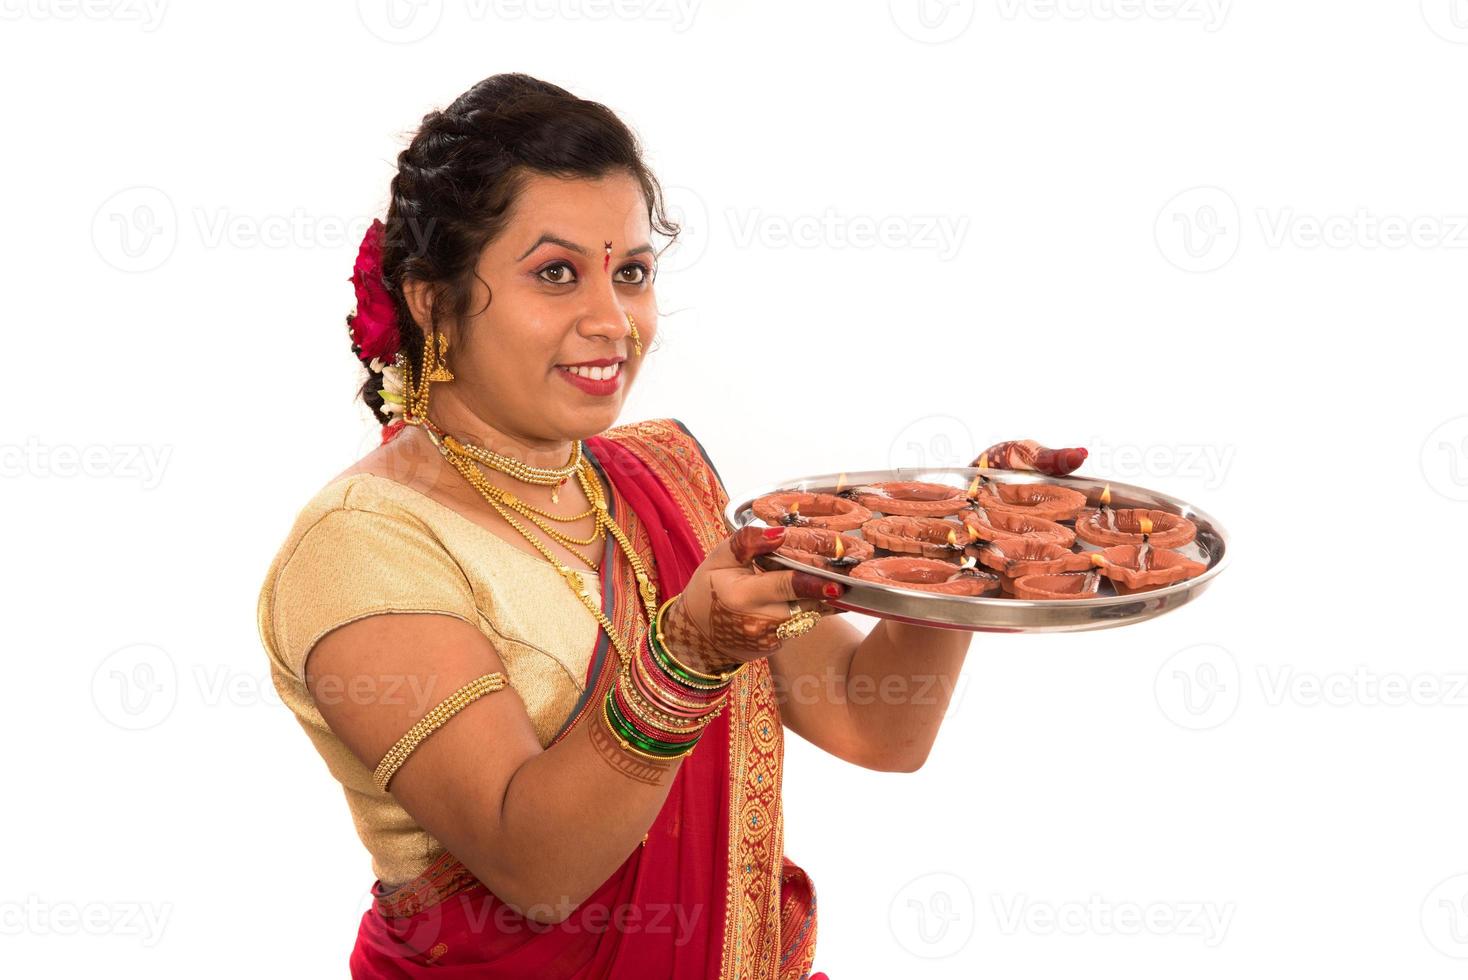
555	300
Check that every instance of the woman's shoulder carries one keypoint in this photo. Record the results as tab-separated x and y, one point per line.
671	442
359	498
361	544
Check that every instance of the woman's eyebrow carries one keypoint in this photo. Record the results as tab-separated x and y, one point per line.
547	237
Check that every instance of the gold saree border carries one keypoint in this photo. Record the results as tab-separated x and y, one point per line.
753	906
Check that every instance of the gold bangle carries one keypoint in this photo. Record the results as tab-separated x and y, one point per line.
648	710
429	723
657	626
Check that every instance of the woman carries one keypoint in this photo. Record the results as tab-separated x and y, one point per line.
547	675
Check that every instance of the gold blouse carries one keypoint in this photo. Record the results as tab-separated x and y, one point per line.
366	544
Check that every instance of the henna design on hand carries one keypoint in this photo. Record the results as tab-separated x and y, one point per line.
733	632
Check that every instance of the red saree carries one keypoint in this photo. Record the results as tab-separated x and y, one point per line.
709	894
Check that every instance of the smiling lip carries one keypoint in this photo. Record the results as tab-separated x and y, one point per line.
596	386
600	362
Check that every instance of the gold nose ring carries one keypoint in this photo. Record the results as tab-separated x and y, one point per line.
636	340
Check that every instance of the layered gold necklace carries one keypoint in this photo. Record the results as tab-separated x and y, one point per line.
467	458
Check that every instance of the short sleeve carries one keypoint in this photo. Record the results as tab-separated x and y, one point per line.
355	563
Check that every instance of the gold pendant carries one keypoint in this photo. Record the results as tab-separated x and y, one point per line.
577	586
649	592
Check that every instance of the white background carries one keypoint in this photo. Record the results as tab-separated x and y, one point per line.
1220	244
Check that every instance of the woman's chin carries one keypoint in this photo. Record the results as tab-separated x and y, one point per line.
585	421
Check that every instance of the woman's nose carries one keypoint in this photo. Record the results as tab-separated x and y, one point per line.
606	319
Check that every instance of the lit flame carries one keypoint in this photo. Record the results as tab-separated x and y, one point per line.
1146	523
952	539
795	508
1097	559
840	548
973	488
840	482
1106	496
984	460
973	531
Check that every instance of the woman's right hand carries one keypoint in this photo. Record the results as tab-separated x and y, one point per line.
728	612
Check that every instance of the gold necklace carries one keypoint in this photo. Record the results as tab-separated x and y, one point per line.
645	588
540	475
497	497
465	464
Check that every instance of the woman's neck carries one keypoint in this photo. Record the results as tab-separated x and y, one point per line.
454	418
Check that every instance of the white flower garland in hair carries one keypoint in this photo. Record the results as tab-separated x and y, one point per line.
392	391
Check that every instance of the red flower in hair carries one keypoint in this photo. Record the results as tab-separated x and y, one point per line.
374	324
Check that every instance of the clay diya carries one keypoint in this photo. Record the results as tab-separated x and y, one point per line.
820	548
1015	558
925	575
995	525
1067	585
930	537
1043	500
909	498
1135	568
802	508
1123	525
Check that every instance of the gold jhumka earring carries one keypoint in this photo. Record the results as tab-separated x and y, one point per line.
415	387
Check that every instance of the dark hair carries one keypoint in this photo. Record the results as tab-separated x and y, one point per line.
462	172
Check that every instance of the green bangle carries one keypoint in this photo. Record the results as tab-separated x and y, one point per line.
631	736
635	743
677	673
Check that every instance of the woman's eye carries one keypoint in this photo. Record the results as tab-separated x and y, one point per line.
634	273
558	274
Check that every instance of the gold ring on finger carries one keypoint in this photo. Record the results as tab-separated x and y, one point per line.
802	622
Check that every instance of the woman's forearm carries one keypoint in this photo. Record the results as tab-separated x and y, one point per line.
899	684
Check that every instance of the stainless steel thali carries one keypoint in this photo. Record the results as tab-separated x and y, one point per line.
1002	615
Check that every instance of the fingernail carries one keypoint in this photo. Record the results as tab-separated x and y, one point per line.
832	590
772	533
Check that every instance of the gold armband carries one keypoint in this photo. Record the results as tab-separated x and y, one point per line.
429	723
